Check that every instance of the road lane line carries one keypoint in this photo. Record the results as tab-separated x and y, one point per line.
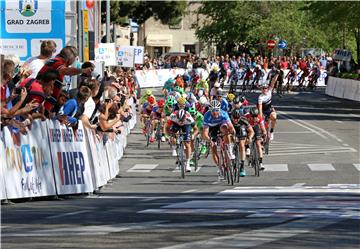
258	237
297	185
190	191
321	167
297	121
67	214
276	167
357	166
144	168
338	121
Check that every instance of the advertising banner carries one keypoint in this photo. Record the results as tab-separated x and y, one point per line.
70	159
111	155
3	166
139	55
125	56
98	158
28	171
105	52
24	24
156	78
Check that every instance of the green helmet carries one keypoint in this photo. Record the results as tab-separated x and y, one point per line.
192	110
148	92
170	101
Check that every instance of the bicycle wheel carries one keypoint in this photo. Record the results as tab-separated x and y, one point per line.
147	133
181	159
207	149
196	153
227	167
158	134
236	164
256	161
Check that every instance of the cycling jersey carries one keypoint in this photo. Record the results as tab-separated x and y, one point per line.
199	120
155	113
145	109
188	120
168	110
143	98
240	127
254	121
211	121
224	105
266	100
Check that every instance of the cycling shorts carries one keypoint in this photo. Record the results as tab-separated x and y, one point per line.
214	131
241	132
257	131
186	129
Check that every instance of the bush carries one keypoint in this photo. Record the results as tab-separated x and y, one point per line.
352	76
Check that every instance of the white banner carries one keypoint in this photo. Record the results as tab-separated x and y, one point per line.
3	166
139	55
106	52
125	56
99	161
70	159
29	170
156	78
111	155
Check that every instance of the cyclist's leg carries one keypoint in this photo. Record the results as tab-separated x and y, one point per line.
187	138
258	138
227	140
213	131
273	118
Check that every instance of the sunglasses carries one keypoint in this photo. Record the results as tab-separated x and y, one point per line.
215	110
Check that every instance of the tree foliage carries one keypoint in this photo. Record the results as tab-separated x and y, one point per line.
301	24
166	11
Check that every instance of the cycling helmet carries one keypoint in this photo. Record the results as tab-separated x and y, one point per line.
254	112
181	114
171	80
236	114
196	78
178	89
231	96
219	92
242	99
192	110
214	104
186	77
200	93
237	100
161	103
151	100
181	101
190	96
148	92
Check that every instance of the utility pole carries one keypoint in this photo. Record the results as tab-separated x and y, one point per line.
107	21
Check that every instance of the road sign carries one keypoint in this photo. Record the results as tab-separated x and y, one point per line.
282	44
271	44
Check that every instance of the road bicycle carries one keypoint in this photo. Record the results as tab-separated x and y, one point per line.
224	160
158	133
236	161
148	130
254	157
180	160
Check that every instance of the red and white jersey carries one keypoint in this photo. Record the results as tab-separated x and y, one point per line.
254	121
188	120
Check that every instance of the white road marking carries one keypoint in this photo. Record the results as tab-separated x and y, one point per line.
297	185
355	115
292	190
357	166
276	167
328	151
297	121
259	237
217	182
84	230
345	145
293	132
143	168
190	191
198	168
67	214
321	167
338	121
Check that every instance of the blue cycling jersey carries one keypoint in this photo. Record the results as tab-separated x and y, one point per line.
210	120
224	105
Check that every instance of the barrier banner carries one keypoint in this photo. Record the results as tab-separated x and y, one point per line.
330	87
28	171
339	88
111	156
70	159
156	78
2	167
98	158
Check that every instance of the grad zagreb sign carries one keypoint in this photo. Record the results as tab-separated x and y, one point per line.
26	23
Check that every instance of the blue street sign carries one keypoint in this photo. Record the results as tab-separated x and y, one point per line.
282	44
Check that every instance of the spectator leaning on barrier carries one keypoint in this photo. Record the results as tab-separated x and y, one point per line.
34	64
61	63
74	108
90	104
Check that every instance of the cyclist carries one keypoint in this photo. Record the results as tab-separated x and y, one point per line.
181	120
146	111
191	99
223	101
230	98
216	120
202	88
214	90
169	106
244	134
266	109
143	98
199	122
158	115
182	104
257	122
168	86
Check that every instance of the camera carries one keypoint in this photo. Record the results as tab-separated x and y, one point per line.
107	101
18	90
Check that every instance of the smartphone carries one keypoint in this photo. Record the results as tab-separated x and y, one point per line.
18	90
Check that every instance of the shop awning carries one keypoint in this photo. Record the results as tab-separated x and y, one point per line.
157	40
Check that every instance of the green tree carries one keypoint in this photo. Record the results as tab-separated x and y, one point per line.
345	15
166	11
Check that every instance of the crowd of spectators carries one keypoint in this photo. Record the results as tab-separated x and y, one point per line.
35	90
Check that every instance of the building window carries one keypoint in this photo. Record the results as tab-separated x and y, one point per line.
158	51
189	48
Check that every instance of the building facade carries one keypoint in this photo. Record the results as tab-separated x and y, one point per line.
158	38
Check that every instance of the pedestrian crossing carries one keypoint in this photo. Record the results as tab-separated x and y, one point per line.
278	148
315	167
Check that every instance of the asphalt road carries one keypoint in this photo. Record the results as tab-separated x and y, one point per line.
308	196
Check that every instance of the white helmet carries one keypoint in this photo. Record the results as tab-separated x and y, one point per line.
203	100
214	104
